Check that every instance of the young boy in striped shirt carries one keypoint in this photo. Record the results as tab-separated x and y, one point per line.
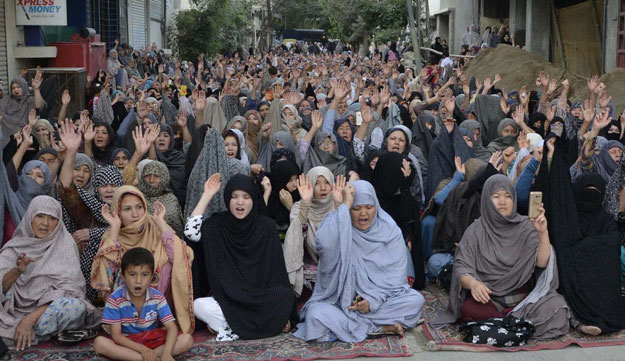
134	310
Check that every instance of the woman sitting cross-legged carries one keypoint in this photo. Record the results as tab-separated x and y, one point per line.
361	283
496	263
251	294
43	291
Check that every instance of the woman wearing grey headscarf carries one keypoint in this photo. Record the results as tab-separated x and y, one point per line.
42	291
478	148
495	262
361	286
15	106
116	70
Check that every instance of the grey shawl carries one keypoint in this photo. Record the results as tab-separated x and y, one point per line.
212	159
488	111
371	263
310	215
214	115
17	202
612	200
104	109
501	252
267	149
161	193
55	273
14	110
316	157
230	107
83	159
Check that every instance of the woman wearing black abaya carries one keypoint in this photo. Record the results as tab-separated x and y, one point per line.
586	241
283	193
391	179
251	294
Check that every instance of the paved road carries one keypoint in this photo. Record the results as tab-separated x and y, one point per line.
415	342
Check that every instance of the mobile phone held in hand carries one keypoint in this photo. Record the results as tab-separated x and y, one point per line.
536	199
358	118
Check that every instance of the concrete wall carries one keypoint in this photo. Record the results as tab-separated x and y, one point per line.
463	17
611	34
538	24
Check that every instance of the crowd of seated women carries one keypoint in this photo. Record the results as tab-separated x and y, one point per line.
342	183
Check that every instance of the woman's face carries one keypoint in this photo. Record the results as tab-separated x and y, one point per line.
241	204
396	142
253	119
231	146
264	110
131	209
121	159
304	104
476	133
468	140
345	132
42	130
152	179
16	90
327	145
106	193
278	144
503	202
615	153
163	141
323	188
508	130
362	216
43	225
237	125
291	185
101	138
37	175
47	158
82	175
288	113
373	162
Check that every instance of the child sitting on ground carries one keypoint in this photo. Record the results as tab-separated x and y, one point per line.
133	312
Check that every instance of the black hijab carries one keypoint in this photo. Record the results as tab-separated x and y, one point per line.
280	175
104	156
245	267
175	161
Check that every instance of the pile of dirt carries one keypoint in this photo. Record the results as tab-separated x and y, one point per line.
518	67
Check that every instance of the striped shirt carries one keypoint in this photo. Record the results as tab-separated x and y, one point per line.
120	309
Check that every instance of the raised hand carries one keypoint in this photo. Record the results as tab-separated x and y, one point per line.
112	218
337	189
38	79
522	139
212	185
540	221
519	116
459	165
385	95
181	119
349	192
304	188
553	85
89	133
550	113
286	199
70	136
32	117
65	97
26	135
602	120
317	121
367	115
153	131
504	105
495	159
159	211
593	83
588	111
142	145
266	130
405	168
266	183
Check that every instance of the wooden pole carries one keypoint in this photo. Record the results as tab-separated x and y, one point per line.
556	25
413	36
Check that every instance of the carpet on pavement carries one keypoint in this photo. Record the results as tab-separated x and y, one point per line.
450	339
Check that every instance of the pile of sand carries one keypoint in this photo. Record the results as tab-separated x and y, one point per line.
518	67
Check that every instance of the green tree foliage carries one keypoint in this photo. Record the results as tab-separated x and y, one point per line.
210	27
356	20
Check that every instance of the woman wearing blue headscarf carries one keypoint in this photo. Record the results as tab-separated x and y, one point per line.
361	286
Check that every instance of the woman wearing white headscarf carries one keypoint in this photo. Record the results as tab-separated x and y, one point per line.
315	190
471	37
361	283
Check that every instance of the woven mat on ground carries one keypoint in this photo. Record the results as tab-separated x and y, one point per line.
449	339
279	348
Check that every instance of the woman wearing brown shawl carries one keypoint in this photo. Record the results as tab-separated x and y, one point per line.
496	263
47	296
132	226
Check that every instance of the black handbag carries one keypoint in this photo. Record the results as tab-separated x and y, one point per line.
499	332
